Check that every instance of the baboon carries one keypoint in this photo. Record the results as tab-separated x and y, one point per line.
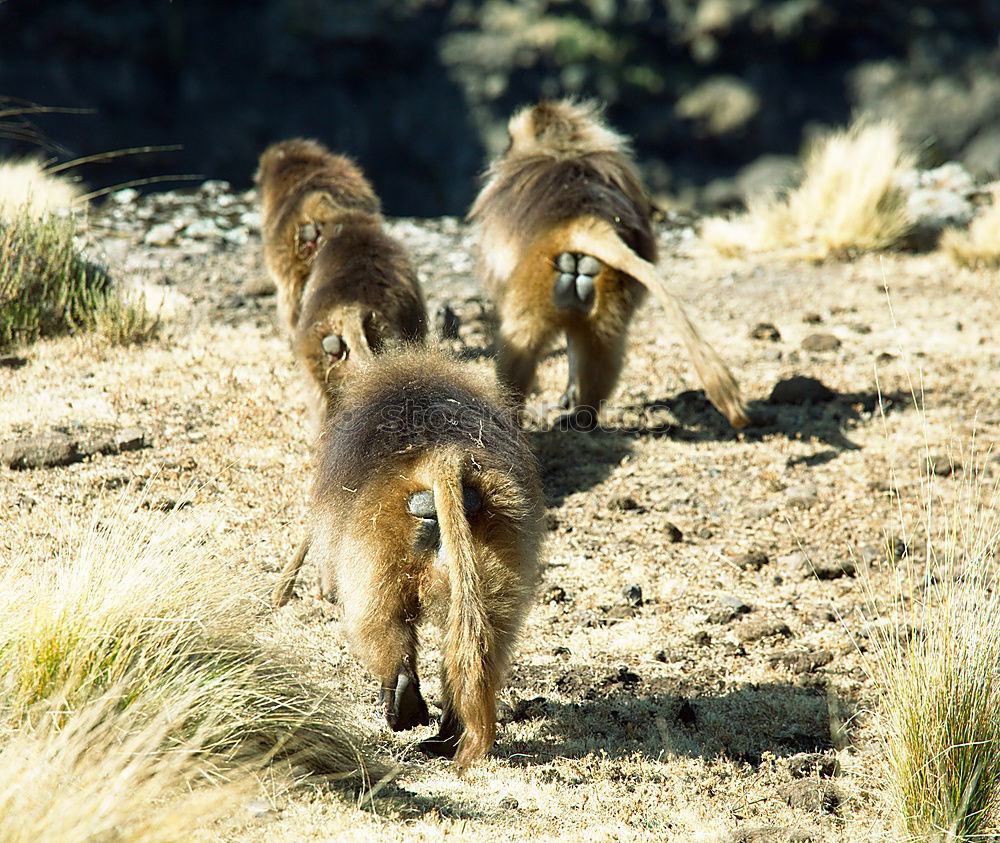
427	504
346	289
566	245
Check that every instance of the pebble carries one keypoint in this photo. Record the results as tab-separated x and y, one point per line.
812	318
803	496
161	234
555	594
753	629
202	229
820	764
832	569
754	560
624	503
126	196
800	389
941	465
802	661
633	595
765	331
672	533
820	342
46	450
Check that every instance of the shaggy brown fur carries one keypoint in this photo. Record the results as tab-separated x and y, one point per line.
303	188
427	502
564	193
347	289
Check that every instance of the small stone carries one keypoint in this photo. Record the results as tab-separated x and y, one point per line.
672	532
12	361
754	629
202	229
800	389
160	235
562	651
624	503
820	343
803	496
705	533
770	834
765	331
861	328
633	595
252	220
813	764
794	565
751	561
130	439
668	655
126	196
213	187
762	510
555	594
508	804
812	795
46	450
941	465
260	808
701	638
885	357
812	318
617	614
802	661
833	569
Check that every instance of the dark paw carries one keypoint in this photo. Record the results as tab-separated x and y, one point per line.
574	285
404	706
568	399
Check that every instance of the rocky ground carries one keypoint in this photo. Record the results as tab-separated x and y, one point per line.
695	666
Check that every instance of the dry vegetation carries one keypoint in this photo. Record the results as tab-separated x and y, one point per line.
849	202
979	246
28	187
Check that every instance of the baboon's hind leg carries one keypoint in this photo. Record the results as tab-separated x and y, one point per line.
595	362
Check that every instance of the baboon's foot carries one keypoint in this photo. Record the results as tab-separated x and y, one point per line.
445	742
581	418
568	399
574	285
404	706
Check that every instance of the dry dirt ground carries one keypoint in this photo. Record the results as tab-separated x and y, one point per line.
728	701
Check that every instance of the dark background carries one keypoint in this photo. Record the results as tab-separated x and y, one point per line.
419	90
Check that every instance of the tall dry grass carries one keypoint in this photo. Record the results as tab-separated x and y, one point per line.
27	186
979	246
129	674
849	201
938	675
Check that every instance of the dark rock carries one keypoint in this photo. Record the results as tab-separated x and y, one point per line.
624	503
624	677
729	608
633	595
508	804
754	560
816	795
813	764
941	465
832	569
46	450
12	361
668	655
687	714
754	629
802	661
554	594
812	319
820	342
672	532
800	389
701	638
765	331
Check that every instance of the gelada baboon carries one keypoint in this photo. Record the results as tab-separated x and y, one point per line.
566	245
346	289
427	504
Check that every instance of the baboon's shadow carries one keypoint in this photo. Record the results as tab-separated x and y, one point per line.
618	714
574	461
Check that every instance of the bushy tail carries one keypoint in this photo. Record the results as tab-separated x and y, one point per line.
594	236
286	579
470	653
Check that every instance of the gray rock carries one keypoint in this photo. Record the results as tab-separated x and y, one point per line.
801	661
46	450
765	331
770	834
754	560
162	234
821	342
832	569
803	496
754	629
632	595
672	532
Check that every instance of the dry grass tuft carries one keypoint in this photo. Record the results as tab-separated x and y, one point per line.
940	685
849	202
142	632
27	187
979	247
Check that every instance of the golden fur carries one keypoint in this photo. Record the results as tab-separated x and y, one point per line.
341	278
567	185
419	426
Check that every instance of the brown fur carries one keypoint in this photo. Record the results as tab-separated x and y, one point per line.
567	184
418	421
353	281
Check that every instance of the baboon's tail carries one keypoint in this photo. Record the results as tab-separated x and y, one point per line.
594	236
356	338
470	652
286	579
